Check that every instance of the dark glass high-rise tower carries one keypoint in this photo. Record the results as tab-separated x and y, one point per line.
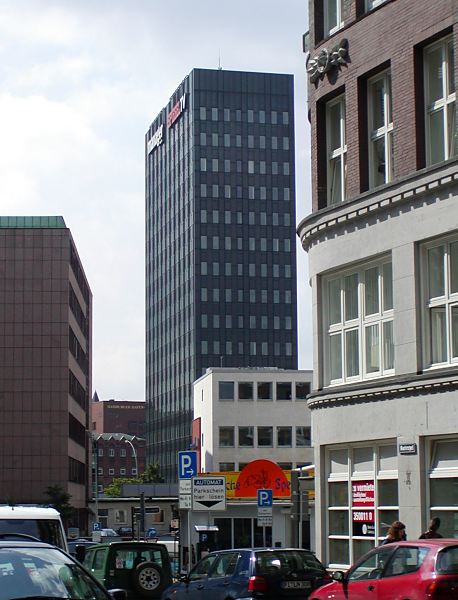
220	242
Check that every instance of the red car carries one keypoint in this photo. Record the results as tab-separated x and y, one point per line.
421	570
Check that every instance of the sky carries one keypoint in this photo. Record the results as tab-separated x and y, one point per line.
80	83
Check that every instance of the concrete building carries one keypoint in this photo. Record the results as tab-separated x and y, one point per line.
45	363
382	242
248	414
220	241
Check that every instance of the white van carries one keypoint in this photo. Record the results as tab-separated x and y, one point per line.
42	523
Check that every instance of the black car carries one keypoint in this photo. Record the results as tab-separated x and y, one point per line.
33	569
251	573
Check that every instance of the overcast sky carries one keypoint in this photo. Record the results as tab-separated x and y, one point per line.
81	81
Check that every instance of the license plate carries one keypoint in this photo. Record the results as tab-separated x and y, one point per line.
295	585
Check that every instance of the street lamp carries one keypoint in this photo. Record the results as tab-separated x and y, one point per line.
134	452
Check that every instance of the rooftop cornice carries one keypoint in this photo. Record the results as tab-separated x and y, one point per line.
320	224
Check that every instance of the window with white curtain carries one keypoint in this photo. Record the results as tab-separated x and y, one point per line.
380	129
440	96
358	327
440	285
332	16
336	150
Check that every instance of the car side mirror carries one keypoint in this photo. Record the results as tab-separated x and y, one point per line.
80	552
338	576
118	594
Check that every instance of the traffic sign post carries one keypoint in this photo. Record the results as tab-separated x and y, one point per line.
265	505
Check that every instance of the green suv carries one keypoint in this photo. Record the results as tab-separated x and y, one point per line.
142	569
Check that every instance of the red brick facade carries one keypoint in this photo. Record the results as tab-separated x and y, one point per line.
393	34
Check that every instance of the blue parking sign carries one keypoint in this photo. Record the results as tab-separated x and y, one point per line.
187	464
265	498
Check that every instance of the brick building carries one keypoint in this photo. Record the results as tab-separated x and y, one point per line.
382	241
45	363
118	427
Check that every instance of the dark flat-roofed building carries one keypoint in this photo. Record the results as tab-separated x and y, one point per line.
220	241
45	363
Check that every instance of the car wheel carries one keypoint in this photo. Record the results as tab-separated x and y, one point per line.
148	579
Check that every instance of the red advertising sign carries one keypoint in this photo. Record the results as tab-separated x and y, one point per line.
362	494
176	111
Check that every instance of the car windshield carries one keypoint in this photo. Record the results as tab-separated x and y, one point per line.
447	560
46	530
46	572
286	561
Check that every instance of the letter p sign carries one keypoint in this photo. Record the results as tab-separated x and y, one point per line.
187	464
265	498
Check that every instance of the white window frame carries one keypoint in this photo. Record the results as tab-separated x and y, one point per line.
359	324
338	5
448	301
337	153
348	476
371	4
442	104
385	132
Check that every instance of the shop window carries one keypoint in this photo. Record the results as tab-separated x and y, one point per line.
440	265
443	483
380	130
440	96
336	150
362	500
359	320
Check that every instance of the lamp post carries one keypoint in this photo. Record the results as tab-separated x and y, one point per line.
134	452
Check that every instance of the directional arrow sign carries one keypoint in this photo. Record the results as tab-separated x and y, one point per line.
209	493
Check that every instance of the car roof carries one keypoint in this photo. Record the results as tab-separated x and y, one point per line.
129	543
433	542
262	549
28	512
25	544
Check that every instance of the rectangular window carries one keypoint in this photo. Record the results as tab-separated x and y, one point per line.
226	466
359	323
332	16
265	390
246	436
440	96
284	437
265	437
440	268
303	437
336	150
284	390
226	437
245	390
380	130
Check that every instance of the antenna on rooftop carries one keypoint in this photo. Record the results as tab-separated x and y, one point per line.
220	68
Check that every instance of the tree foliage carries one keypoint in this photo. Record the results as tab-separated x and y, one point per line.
150	475
59	499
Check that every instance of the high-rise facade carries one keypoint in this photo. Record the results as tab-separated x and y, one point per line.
382	241
220	241
45	363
